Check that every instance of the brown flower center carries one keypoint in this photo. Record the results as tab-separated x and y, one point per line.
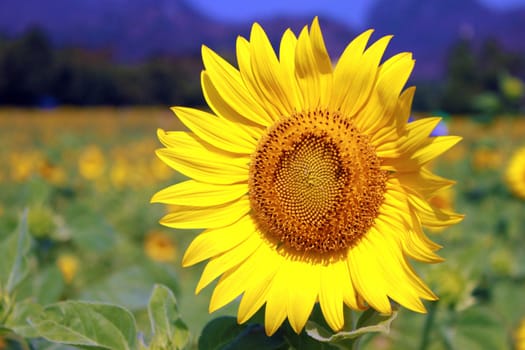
315	183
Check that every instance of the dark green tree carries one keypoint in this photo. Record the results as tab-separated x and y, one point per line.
27	68
463	80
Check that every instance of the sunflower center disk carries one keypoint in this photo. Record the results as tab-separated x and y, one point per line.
316	183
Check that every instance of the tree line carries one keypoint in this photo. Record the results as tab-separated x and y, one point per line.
478	78
34	73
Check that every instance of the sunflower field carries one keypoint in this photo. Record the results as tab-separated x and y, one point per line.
76	224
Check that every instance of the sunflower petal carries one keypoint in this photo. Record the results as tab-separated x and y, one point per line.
438	145
323	62
305	71
347	72
267	263
287	60
301	300
267	73
229	84
404	286
275	312
201	162
379	110
367	276
213	242
228	260
424	181
225	111
199	194
219	133
208	217
331	294
418	133
364	79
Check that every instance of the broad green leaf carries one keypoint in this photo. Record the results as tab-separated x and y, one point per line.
14	250
43	344
49	285
254	337
224	333
88	325
45	287
369	322
168	329
219	332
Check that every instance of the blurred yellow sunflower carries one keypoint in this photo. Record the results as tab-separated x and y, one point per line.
515	174
91	163
519	336
310	182
486	158
160	247
68	265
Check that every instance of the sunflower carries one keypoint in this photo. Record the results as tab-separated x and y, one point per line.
160	247
68	265
91	163
308	179
515	174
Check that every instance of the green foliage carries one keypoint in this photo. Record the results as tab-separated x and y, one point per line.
169	331
368	322
14	267
87	325
485	81
224	333
35	73
129	286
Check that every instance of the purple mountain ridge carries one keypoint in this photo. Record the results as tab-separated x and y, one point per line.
134	30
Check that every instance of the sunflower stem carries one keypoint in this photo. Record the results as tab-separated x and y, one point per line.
427	327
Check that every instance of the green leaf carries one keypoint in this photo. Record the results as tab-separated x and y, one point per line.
224	333
168	329
45	287
254	337
14	250
4	330
18	319
219	332
88	325
42	344
369	322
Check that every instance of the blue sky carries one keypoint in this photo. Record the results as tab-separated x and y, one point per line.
347	11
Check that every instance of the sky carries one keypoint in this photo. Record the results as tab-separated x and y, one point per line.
347	11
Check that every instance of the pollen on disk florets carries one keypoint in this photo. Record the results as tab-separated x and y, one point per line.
315	183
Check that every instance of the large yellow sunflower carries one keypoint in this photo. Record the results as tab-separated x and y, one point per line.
515	173
310	182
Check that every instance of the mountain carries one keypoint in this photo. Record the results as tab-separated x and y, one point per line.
429	28
139	28
132	29
135	29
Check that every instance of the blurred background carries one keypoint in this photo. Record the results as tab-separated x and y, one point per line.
85	52
84	84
